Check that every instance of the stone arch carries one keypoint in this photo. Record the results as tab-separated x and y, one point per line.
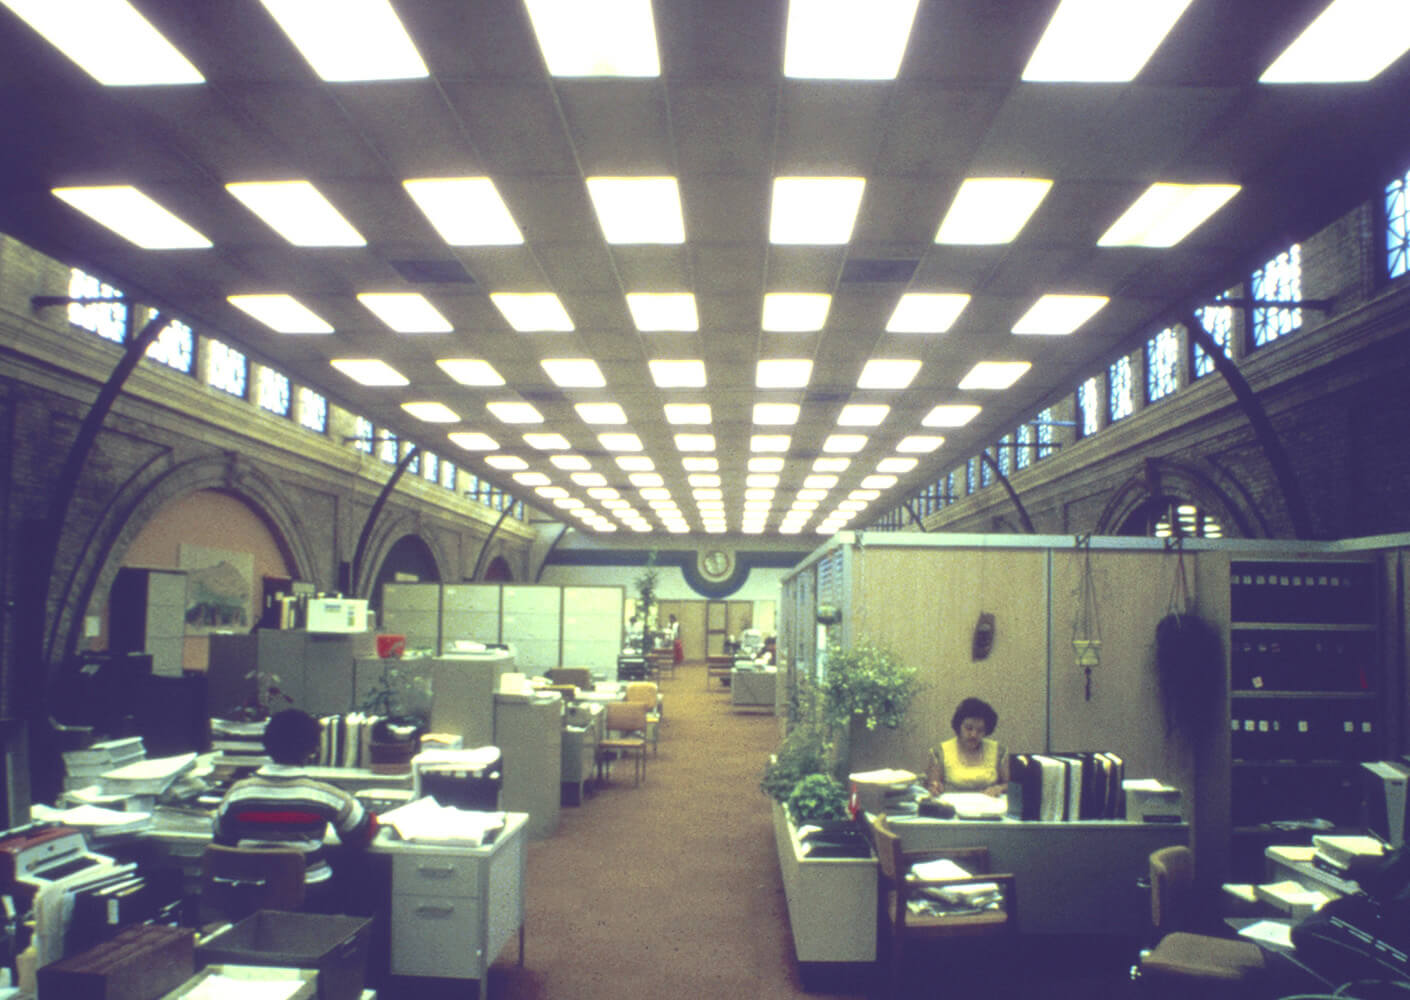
137	501
1219	495
499	571
390	529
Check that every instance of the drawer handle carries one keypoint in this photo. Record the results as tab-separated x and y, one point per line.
428	910
436	871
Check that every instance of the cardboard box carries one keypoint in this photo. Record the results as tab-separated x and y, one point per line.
335	946
140	963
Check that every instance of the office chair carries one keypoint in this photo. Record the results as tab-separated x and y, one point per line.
626	734
901	924
645	692
1182	960
237	881
577	676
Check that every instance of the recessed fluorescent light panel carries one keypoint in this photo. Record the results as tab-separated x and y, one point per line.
862	414
701	463
779	414
950	415
109	40
888	373
1059	315
534	479
814	211
570	463
1349	42
687	413
297	211
663	312
574	373
638	209
511	412
405	312
926	312
635	463
465	211
695	442
669	374
509	463
1166	213
346	40
844	444
897	466
369	371
601	413
475	441
620	442
432	413
1101	41
546	442
596	37
281	313
994	374
842	40
533	312
795	312
133	216
991	210
919	444
765	465
783	373
768	443
470	371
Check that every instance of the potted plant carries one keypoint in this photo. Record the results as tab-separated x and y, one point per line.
802	752
866	683
401	700
646	597
818	800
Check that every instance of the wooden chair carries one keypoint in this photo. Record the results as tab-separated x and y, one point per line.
626	734
648	695
900	925
1184	963
237	881
577	676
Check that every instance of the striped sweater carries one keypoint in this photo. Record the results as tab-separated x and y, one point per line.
280	806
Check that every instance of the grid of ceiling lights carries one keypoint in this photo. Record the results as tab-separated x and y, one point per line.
1086	40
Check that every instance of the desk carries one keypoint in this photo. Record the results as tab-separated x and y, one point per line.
1077	877
753	688
453	909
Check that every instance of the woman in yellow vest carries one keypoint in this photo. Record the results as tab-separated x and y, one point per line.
971	762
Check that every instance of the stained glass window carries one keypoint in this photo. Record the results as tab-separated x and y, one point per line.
1023	453
226	368
1005	450
1087	406
273	391
986	471
971	481
1397	227
387	448
1162	364
1045	433
362	434
950	487
430	466
107	319
1120	394
174	347
1280	278
1218	322
313	410
448	474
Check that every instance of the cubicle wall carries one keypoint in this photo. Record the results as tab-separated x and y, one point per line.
548	626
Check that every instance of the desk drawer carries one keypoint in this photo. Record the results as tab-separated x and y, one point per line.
436	874
436	936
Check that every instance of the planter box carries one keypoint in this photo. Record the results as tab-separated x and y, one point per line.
831	901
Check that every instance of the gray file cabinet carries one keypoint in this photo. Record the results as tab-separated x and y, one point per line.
529	731
147	614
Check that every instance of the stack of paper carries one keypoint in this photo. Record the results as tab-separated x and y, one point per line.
146	777
95	821
1292	898
427	821
83	767
976	805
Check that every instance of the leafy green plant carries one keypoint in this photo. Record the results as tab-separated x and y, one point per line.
817	798
400	695
866	681
645	585
266	699
802	752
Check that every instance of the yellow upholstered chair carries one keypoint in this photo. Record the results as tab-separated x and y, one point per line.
237	881
646	693
626	734
902	926
1184	963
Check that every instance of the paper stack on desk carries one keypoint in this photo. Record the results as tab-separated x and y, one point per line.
428	822
146	777
1292	898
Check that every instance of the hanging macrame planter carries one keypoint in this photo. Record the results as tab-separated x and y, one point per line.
1086	628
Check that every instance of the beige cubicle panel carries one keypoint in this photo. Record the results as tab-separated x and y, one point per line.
923	603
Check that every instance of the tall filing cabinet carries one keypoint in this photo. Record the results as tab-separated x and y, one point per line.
469	611
529	732
314	669
413	610
1305	689
147	613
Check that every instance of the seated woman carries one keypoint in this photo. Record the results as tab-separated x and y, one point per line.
971	762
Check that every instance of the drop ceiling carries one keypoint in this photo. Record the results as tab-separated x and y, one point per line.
724	121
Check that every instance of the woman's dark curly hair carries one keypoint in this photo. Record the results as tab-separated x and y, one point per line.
975	708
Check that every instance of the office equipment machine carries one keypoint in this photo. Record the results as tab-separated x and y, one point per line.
464	779
1386	799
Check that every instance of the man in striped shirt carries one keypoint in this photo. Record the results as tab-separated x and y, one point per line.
281	806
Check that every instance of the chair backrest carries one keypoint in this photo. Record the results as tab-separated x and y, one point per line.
577	676
568	691
643	692
237	881
893	859
888	848
626	716
1172	874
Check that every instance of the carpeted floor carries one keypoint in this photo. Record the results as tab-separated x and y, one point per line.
672	888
